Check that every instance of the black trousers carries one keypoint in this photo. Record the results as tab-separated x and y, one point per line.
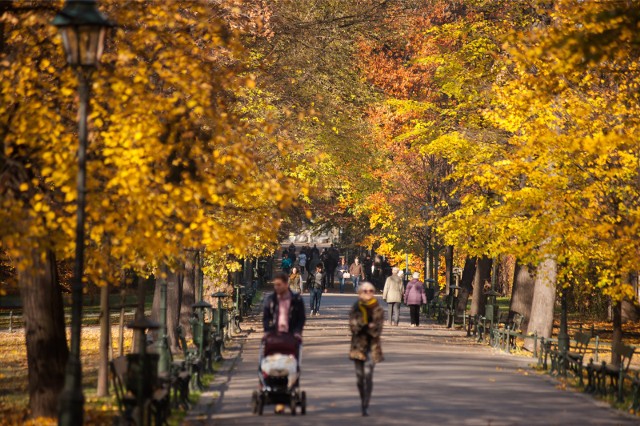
364	376
414	311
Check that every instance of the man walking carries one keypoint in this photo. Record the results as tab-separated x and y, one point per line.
315	285
392	294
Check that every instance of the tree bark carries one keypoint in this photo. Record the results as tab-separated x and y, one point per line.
616	337
466	284
448	263
46	341
522	294
631	308
482	275
188	293
105	332
542	305
174	300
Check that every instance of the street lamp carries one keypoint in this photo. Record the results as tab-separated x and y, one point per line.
82	28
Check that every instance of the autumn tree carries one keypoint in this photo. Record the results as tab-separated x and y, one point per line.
174	162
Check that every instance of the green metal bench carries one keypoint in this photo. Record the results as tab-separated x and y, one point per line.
192	361
505	336
616	374
127	374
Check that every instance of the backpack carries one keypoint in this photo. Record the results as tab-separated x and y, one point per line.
312	282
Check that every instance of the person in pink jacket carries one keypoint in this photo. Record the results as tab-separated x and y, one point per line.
414	296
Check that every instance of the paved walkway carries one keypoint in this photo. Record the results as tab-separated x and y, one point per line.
431	376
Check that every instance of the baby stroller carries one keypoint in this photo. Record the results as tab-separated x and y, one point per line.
279	374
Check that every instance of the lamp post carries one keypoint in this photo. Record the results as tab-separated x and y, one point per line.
82	28
219	295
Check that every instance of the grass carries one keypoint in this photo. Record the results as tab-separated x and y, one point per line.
90	310
98	411
13	378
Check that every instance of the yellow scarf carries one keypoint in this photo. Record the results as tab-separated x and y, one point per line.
363	308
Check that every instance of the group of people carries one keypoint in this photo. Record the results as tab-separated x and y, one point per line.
395	293
284	313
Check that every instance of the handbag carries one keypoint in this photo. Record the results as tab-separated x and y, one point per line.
346	275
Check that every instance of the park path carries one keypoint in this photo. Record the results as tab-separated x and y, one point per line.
431	375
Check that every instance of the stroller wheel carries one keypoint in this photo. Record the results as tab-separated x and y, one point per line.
294	406
303	403
260	404
254	402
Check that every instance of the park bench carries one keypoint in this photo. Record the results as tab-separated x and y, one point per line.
487	322
177	379
505	337
575	355
573	359
192	361
617	374
635	397
126	373
437	310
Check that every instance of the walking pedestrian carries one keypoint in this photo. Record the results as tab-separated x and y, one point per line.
356	270
414	296
343	273
315	285
377	273
295	281
366	320
302	262
392	294
286	265
330	262
283	313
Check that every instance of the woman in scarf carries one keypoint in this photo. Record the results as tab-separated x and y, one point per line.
365	321
295	281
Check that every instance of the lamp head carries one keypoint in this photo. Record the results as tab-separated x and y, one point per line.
82	28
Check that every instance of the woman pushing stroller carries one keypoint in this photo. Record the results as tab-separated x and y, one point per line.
283	320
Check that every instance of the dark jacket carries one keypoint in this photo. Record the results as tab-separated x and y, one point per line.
313	282
296	314
366	339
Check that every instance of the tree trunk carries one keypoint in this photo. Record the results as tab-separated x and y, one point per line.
448	262
522	294
155	305
631	308
105	332
482	276
616	337
174	300
542	305
46	342
188	293
466	284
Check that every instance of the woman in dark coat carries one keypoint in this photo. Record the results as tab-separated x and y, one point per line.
365	320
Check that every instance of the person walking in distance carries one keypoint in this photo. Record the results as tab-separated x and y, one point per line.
302	262
356	270
414	296
343	273
392	294
315	285
295	281
365	321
